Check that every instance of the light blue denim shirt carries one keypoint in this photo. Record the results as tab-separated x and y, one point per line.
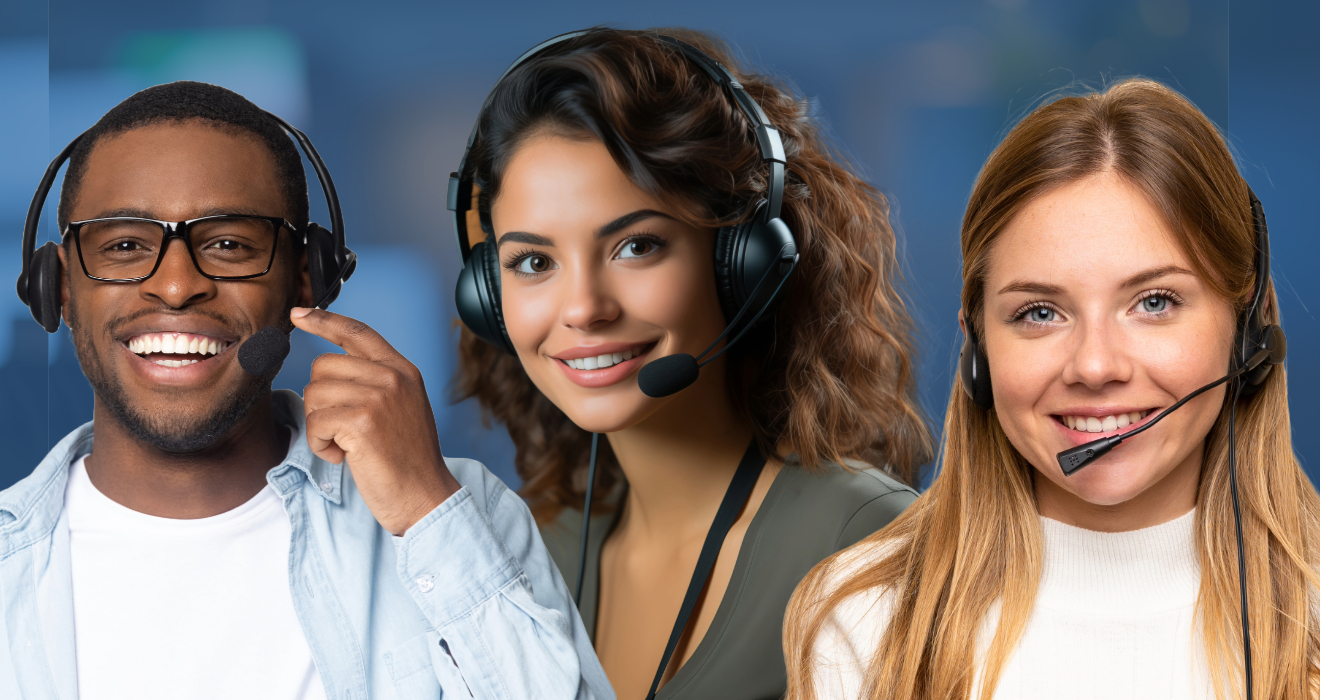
467	602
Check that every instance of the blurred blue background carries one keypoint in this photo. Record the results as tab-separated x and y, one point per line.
916	93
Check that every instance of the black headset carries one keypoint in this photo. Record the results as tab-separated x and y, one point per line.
1253	332
746	254
329	261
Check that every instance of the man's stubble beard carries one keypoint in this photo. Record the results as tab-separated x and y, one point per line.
167	433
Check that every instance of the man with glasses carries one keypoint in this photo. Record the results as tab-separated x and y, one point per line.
207	537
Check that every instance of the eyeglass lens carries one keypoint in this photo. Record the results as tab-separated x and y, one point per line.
223	247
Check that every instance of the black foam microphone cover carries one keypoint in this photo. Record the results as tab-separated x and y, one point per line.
264	353
668	375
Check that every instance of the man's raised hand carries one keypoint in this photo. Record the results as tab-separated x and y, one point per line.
369	407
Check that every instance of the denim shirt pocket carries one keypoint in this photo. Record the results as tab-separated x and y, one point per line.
412	670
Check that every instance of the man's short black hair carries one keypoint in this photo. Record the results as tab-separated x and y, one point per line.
186	100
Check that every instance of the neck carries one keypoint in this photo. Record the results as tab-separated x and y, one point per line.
680	460
187	486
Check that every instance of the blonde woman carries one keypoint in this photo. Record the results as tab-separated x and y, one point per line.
1108	265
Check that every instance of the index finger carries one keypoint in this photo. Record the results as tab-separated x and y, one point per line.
355	337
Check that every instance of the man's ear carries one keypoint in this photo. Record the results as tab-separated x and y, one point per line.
64	283
962	324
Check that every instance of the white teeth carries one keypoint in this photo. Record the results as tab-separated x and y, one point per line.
1105	424
603	361
175	344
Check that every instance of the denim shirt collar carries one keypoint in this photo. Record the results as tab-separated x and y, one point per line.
30	509
326	478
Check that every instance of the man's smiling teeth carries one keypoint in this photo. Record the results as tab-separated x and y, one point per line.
175	344
603	361
1092	424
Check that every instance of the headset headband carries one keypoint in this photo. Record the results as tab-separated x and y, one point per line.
33	220
459	197
1262	254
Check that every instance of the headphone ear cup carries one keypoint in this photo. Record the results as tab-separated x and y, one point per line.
477	297
747	253
1271	338
44	286
725	286
974	372
322	267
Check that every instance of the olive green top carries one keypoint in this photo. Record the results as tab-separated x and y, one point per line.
804	518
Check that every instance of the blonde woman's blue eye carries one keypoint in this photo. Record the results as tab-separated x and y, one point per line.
1041	314
533	264
1155	304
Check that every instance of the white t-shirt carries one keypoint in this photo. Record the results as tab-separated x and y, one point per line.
195	609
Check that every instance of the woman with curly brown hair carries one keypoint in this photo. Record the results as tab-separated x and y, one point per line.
602	170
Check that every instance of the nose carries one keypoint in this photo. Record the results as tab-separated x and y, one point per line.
177	282
1099	356
589	303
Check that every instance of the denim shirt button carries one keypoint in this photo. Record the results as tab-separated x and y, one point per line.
327	487
425	583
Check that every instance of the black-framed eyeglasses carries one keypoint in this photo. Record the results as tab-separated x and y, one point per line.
223	247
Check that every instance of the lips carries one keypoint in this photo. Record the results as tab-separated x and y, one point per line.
602	365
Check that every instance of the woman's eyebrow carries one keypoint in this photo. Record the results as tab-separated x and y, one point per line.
612	227
524	237
1136	280
628	220
1153	274
1031	287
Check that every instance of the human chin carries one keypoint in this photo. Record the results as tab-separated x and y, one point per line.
609	411
1119	478
171	418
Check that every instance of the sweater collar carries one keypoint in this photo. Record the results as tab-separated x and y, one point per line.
1141	571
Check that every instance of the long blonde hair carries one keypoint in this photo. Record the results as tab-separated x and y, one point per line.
974	538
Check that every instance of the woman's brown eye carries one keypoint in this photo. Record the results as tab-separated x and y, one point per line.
637	249
533	264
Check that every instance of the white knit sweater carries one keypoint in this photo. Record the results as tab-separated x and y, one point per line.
1114	618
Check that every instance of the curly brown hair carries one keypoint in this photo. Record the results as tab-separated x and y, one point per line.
829	376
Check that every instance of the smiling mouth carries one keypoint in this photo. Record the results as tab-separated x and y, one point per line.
608	360
1103	424
175	349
